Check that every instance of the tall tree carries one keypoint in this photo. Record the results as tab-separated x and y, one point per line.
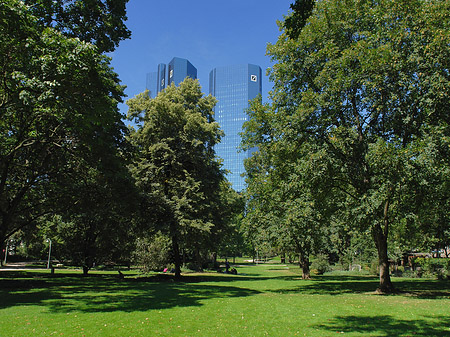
58	111
226	237
281	208
355	84
176	169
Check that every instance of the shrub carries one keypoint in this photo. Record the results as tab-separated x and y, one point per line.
432	267
153	253
321	264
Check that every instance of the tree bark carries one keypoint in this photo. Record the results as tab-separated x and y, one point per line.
380	236
304	264
214	255
4	252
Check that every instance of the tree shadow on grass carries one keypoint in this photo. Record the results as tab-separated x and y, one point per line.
424	288
104	292
338	285
331	285
384	325
108	294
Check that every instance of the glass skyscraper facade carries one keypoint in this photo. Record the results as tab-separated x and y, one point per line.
161	79
233	87
179	69
152	84
175	72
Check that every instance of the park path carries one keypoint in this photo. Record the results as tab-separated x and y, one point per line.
20	266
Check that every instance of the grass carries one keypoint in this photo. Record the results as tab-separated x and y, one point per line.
263	300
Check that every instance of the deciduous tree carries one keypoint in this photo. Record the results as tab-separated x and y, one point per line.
176	168
357	84
58	116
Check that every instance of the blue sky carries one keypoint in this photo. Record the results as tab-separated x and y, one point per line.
209	33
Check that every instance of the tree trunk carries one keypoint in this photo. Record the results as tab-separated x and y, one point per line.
386	285
177	257
380	237
3	244
304	264
85	270
3	248
215	259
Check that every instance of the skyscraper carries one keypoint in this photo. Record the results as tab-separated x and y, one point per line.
177	70
234	86
152	84
161	79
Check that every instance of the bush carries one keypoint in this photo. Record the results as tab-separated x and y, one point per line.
321	264
398	271
192	266
153	254
432	267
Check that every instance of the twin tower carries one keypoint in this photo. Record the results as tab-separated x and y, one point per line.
233	86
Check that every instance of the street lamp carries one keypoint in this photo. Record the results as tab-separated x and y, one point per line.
9	246
6	252
49	252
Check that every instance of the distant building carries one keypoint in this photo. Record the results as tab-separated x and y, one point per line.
175	72
152	84
161	79
179	69
234	86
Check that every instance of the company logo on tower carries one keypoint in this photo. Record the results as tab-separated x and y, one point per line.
253	78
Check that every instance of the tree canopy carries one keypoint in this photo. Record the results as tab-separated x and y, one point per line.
100	22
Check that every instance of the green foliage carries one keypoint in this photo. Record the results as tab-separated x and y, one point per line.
321	264
153	253
61	133
374	267
431	267
358	86
301	11
175	169
99	22
280	206
226	236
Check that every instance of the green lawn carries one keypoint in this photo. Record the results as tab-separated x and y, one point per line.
263	300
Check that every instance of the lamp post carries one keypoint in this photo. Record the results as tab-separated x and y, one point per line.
49	252
6	252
